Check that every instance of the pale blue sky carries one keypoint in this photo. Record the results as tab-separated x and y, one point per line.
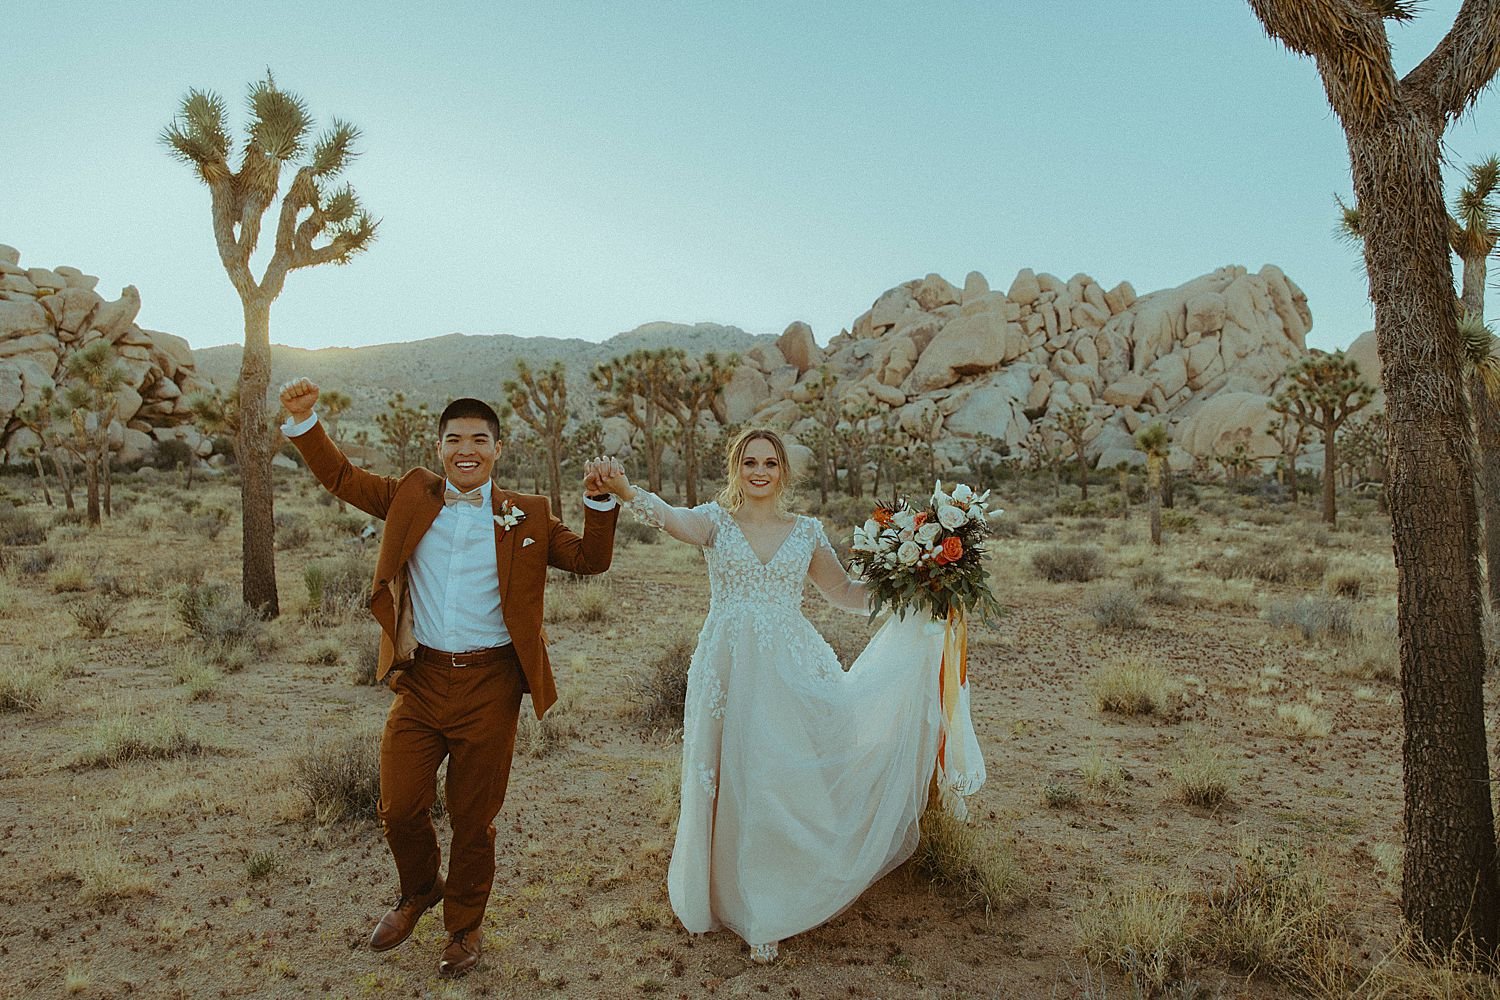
577	169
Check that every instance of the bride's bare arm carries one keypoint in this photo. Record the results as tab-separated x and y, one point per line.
838	587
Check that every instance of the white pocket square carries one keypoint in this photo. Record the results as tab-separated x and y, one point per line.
527	541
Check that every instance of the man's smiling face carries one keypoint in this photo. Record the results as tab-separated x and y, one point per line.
468	450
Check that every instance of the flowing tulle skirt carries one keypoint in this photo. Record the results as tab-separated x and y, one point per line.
802	784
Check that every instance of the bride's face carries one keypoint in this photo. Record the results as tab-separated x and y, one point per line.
760	471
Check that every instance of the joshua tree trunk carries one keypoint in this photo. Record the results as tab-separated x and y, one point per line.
62	462
1449	880
41	476
1330	469
1153	492
91	480
252	448
690	461
107	473
1487	424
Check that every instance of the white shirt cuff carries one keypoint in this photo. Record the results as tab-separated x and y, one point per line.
300	427
601	505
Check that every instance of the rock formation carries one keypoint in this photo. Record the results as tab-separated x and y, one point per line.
46	314
1204	357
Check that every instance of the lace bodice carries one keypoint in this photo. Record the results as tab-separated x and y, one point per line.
737	578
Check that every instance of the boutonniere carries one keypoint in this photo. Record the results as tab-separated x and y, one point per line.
510	515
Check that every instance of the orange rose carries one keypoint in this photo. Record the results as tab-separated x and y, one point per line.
881	516
921	520
953	549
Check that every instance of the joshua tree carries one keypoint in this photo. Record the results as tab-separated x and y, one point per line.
1044	445
312	210
407	431
1322	391
1394	127
540	399
1074	423
37	417
629	386
1291	435
334	404
1154	440
89	403
691	389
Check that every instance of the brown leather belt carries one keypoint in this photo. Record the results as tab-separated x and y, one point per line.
473	658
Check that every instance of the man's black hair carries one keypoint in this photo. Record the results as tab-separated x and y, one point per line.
469	407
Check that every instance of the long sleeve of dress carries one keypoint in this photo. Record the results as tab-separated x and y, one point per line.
838	587
694	525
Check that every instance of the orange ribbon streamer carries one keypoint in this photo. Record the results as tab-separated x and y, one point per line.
953	674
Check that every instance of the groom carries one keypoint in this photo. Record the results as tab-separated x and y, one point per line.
458	595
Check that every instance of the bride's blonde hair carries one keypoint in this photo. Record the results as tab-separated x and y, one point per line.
731	496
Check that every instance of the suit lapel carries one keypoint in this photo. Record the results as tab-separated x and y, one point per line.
425	512
505	541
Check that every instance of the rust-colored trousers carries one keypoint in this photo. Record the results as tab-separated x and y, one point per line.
467	714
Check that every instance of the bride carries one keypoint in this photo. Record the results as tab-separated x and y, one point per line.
802	784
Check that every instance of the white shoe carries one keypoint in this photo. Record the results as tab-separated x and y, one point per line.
763	954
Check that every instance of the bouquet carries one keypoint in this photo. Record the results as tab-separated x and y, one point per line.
927	558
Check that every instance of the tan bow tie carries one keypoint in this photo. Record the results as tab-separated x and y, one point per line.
474	497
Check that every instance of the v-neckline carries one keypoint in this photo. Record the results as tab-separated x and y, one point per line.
746	539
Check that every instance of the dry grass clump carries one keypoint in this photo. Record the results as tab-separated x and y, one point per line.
585	600
1414	971
227	628
338	588
1068	563
1102	775
340	775
1314	616
1273	915
629	531
366	663
1202	775
72	577
1155	587
124	733
29	682
1374	654
1060	795
1142	931
324	652
1302	721
974	861
1115	609
293	530
20	527
94	861
1130	686
1346	583
659	692
200	677
552	732
1269	562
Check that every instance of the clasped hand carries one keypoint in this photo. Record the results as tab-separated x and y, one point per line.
604	475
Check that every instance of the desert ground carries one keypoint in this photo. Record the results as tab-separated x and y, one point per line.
1194	767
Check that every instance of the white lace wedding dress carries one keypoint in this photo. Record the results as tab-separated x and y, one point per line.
801	784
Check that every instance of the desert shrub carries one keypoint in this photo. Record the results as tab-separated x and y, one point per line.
68	518
1130	686
366	663
35	562
189	571
659	691
1115	609
20	527
1314	616
972	860
1178	521
1102	775
341	523
338	587
552	732
94	614
1044	532
1346	584
123	734
261	865
293	530
1274	915
95	863
1005	527
223	624
325	652
1060	795
1142	931
1068	563
593	601
208	523
1203	776
631	531
1156	587
1269	563
340	775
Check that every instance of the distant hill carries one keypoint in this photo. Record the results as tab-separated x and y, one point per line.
437	370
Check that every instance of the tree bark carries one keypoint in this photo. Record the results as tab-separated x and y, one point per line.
252	448
61	462
1153	491
690	460
1449	888
1487	424
554	472
41	477
1330	468
91	477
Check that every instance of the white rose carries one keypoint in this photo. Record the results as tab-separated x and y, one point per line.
927	533
908	533
909	553
962	492
904	519
952	517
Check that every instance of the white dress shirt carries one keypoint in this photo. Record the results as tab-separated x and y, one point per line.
453	573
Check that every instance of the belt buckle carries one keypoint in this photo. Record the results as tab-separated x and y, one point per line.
453	660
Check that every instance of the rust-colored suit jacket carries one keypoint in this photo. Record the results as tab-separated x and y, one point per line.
408	504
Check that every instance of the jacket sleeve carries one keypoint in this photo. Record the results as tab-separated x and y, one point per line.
365	490
585	554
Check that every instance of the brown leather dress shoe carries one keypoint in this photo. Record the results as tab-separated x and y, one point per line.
397	924
461	955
